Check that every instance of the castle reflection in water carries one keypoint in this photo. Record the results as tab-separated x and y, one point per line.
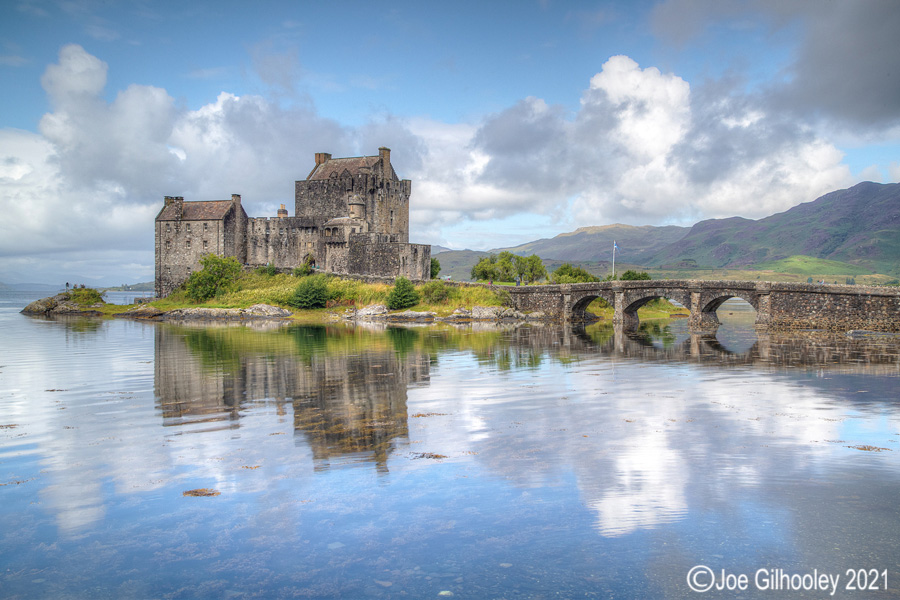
347	386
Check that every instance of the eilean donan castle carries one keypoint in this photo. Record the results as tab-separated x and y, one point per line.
351	216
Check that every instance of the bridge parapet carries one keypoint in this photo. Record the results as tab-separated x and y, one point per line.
777	305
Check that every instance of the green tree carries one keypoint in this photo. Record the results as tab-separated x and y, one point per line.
218	275
485	269
530	268
402	295
630	275
566	273
311	292
435	267
506	266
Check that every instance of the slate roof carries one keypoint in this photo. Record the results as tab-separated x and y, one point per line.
197	211
336	166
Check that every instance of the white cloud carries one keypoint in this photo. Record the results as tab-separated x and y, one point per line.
643	147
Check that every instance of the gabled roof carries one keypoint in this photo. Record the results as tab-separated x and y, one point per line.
335	166
210	210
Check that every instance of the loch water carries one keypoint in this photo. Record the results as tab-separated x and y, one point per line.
154	460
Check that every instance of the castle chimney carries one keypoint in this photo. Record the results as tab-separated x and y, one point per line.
282	212
321	157
179	206
168	200
385	155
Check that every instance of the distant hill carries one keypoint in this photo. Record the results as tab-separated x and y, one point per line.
30	287
859	226
636	244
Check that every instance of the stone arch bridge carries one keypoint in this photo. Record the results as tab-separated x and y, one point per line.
777	305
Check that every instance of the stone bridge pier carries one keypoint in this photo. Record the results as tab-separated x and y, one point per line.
777	305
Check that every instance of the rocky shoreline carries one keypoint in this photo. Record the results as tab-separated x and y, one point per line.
60	305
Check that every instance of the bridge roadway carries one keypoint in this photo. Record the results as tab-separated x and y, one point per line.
778	306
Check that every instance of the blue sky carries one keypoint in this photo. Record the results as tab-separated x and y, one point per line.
515	120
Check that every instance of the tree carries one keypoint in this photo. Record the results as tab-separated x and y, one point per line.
566	273
311	292
218	275
630	275
435	267
485	269
403	294
530	268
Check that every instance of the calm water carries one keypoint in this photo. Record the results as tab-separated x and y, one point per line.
529	462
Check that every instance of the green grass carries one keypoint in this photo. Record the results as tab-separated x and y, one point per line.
255	288
809	266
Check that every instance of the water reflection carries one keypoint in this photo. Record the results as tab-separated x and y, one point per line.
528	461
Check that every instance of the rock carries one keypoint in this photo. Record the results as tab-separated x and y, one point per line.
486	312
411	315
536	316
267	310
44	305
143	312
372	310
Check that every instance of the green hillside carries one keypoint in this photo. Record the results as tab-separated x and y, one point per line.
807	265
636	244
859	226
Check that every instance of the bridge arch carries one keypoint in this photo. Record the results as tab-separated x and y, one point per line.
628	302
580	302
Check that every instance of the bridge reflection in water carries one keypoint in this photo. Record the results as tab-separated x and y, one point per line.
346	388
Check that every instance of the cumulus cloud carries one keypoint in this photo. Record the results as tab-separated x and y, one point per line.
643	147
95	175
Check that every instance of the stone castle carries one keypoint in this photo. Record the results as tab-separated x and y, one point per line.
351	217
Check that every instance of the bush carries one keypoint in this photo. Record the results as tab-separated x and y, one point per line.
435	292
630	275
85	296
218	275
403	295
566	273
270	270
311	292
435	267
304	269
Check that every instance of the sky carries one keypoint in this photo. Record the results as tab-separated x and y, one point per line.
515	120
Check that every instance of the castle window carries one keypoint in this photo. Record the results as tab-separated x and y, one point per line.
187	227
187	243
168	244
205	244
168	228
205	226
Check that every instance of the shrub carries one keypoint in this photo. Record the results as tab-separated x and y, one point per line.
304	269
566	273
85	296
270	270
311	292
630	275
403	295
218	275
435	292
435	267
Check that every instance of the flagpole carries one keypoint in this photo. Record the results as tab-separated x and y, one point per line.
614	258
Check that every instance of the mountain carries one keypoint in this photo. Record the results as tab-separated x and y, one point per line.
859	225
29	287
636	244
